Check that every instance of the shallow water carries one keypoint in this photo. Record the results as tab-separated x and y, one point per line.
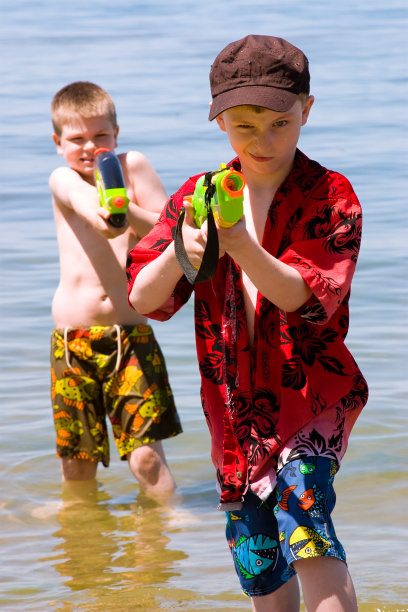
117	550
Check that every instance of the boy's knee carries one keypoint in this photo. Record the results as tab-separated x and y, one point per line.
146	460
148	464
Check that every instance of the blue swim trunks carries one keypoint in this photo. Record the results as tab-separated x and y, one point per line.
266	537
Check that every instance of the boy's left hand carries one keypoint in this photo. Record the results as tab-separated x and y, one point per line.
230	238
105	228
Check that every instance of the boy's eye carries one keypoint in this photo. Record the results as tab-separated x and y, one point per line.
244	126
281	123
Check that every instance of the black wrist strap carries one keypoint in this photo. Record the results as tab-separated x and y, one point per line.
210	257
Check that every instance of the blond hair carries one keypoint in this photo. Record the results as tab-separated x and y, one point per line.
81	99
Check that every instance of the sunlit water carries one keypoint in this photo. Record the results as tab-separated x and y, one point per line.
116	550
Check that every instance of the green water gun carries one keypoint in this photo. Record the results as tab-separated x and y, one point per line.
218	196
111	186
223	190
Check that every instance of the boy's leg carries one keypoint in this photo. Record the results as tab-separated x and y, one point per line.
149	466
306	500
326	585
78	469
79	415
254	541
142	411
79	482
285	599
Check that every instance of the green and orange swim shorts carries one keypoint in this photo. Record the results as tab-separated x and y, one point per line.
118	372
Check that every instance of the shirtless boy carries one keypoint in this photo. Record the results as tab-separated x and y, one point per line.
279	388
105	360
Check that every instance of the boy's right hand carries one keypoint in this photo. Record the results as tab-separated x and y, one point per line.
194	238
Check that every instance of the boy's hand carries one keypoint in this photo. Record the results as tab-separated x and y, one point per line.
231	238
103	226
194	238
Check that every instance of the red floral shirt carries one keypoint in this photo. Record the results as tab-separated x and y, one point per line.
256	399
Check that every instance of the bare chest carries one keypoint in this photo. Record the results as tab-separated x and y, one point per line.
255	217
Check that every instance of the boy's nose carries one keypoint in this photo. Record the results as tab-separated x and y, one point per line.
265	139
89	145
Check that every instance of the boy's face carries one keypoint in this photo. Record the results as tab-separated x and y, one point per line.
265	141
79	139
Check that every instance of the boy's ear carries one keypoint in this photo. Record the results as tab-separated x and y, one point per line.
221	123
116	132
219	120
306	109
57	140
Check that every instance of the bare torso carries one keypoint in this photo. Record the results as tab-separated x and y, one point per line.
92	288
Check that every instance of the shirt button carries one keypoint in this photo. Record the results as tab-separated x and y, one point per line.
239	474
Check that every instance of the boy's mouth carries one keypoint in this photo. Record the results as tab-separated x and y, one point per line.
260	158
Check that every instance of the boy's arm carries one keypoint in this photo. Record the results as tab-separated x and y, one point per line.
155	283
70	190
140	220
149	193
279	282
320	257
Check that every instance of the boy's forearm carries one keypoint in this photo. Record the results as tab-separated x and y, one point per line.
86	205
155	283
278	282
141	220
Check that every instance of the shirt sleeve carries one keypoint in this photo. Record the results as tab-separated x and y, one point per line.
153	245
325	245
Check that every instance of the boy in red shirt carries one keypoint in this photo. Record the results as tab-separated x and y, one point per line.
280	390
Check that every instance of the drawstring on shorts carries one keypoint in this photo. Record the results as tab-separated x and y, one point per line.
119	356
66	330
119	351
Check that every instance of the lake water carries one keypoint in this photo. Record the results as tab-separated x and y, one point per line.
117	551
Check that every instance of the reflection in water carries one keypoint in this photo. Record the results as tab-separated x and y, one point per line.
104	547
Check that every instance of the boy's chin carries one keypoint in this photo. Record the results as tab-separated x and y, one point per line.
88	165
85	169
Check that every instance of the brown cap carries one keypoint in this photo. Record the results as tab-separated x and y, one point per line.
259	70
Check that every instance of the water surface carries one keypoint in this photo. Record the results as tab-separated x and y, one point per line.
117	550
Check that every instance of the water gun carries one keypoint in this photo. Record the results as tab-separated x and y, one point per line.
111	186
223	190
221	193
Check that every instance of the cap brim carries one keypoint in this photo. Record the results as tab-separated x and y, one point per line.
275	99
